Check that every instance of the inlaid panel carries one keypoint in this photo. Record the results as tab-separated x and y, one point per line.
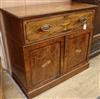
76	50
44	62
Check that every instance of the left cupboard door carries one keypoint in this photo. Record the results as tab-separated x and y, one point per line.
43	62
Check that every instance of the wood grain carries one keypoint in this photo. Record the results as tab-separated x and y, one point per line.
76	50
45	9
13	3
58	24
43	58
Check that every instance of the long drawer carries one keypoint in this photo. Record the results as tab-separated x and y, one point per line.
41	28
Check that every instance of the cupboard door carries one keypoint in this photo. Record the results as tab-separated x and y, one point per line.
76	50
45	62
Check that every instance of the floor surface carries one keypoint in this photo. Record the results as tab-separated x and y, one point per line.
85	85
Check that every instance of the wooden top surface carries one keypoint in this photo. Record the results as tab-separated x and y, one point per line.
46	9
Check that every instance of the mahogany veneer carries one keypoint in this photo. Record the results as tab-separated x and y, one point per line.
48	43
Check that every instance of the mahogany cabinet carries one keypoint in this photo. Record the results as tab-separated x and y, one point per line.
49	45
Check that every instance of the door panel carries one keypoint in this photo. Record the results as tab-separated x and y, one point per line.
76	48
45	62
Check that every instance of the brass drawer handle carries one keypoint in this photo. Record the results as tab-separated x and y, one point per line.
46	64
45	27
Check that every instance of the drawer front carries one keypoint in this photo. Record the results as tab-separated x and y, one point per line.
76	50
38	29
44	63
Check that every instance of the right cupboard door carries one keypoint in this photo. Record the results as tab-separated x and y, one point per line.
76	50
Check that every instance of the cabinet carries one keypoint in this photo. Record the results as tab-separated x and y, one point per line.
47	45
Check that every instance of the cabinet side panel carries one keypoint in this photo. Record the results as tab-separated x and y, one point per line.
15	49
13	27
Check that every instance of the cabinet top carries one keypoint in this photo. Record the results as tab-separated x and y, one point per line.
46	9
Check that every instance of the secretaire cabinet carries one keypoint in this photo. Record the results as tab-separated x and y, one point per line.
47	45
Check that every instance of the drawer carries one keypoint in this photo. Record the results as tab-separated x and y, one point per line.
42	28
